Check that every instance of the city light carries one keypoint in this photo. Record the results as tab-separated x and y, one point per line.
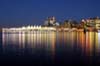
91	24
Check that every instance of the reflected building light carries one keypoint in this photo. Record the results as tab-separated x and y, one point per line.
98	42
72	39
53	44
83	41
92	40
34	40
87	42
23	40
4	41
12	38
20	40
65	38
29	39
90	44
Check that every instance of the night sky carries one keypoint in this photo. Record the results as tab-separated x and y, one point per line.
30	12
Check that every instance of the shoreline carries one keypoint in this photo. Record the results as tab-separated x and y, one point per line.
47	29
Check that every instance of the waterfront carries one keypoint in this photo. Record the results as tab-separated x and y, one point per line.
49	47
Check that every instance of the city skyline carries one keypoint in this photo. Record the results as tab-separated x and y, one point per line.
30	12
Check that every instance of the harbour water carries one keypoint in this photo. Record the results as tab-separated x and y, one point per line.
50	48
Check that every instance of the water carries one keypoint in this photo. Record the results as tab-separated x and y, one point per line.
50	48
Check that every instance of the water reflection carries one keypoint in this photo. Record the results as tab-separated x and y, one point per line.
51	42
89	43
30	42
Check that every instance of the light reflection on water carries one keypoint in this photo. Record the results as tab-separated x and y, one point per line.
31	41
52	42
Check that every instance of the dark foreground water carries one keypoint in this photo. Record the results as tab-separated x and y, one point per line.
50	48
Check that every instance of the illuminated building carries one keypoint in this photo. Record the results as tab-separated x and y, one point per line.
50	24
51	21
91	23
28	28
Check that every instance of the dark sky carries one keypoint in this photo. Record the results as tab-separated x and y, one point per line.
30	12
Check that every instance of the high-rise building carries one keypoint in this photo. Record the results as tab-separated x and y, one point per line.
51	21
